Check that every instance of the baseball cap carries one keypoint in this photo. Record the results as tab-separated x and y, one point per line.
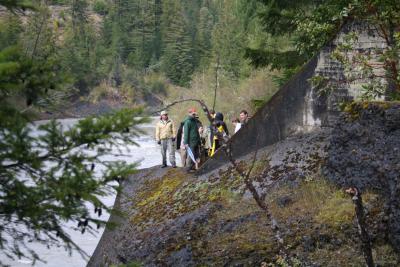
192	110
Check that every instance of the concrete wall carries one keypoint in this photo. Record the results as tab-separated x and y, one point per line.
298	106
345	90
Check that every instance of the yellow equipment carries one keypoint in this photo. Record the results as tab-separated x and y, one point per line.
214	147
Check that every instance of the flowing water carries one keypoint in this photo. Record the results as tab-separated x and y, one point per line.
148	153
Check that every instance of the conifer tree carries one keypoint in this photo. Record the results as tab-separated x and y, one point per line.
203	44
10	30
177	61
49	179
79	48
143	34
228	39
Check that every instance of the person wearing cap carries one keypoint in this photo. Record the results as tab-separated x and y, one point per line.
191	137
165	136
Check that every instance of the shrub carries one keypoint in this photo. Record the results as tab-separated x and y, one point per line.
100	7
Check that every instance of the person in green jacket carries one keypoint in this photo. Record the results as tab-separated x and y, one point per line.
191	136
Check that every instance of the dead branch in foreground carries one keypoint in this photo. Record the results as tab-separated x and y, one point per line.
201	102
362	227
246	176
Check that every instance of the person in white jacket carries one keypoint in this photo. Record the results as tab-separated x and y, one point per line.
165	136
236	124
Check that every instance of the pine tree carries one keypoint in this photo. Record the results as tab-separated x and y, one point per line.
10	30
203	43
177	61
39	38
143	34
157	45
228	40
79	51
46	180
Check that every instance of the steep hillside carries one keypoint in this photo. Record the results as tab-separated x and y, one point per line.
174	219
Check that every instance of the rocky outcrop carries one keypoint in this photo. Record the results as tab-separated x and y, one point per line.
364	151
308	153
170	218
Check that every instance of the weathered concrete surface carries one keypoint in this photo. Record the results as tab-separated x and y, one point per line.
299	106
368	42
281	117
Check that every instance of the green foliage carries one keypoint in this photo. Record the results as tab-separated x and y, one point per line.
177	61
131	264
154	84
203	41
50	178
176	38
59	2
338	211
100	7
278	19
17	5
81	54
31	79
257	103
228	42
311	24
10	28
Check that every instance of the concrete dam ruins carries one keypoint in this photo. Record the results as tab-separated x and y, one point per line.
299	106
167	217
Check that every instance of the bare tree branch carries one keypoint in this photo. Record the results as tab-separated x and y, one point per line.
362	227
248	181
201	102
216	81
253	161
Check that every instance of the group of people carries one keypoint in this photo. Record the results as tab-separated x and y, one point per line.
194	141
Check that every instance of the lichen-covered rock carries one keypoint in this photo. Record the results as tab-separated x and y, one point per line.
170	218
364	151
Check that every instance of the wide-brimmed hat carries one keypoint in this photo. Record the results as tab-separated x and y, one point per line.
164	112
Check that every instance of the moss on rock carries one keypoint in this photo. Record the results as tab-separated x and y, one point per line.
177	193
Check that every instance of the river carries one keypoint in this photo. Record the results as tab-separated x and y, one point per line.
148	153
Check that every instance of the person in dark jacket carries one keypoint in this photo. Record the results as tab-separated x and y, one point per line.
179	144
191	137
219	121
220	132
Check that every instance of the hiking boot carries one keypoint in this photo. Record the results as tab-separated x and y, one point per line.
173	166
164	166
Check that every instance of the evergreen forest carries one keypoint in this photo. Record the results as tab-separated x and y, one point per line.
138	51
134	57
